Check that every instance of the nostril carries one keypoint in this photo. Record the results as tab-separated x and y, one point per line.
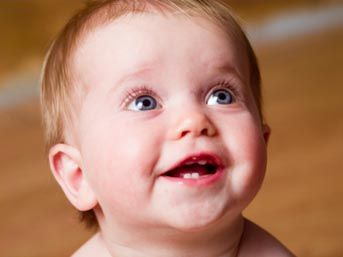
204	131
193	125
183	133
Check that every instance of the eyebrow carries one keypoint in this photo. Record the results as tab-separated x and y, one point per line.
228	68
139	72
145	69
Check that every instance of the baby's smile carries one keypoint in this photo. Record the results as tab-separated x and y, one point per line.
196	169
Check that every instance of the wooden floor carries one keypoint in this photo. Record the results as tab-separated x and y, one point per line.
301	200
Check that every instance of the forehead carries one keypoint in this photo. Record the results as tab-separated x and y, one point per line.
151	40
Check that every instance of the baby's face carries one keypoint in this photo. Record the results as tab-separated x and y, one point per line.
168	131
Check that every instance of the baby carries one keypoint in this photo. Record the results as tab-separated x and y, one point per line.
154	129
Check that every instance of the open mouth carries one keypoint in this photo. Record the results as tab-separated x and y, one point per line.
195	167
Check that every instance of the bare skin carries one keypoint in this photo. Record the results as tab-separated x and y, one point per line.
141	210
257	240
254	241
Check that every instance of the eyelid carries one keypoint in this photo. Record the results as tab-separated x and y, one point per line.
134	93
225	84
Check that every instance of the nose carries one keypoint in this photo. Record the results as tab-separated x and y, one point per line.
193	123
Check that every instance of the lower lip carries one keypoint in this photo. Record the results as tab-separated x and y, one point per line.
201	181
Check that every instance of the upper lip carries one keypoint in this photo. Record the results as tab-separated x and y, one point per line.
210	158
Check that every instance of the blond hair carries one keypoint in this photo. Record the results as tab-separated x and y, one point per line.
58	87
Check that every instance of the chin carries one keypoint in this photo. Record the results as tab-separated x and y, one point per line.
196	220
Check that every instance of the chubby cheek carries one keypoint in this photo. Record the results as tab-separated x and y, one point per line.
247	150
119	158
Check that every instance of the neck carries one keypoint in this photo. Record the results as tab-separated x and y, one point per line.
220	240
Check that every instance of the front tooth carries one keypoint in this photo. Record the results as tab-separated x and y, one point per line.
203	162
187	175
195	175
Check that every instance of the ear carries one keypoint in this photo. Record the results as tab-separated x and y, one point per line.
266	133
65	164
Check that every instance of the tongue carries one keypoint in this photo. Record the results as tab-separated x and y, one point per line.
193	168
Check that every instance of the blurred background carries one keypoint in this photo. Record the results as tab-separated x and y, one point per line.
299	44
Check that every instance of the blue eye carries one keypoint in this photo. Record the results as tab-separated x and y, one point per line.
220	96
143	103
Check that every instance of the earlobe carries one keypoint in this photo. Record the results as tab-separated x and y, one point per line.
266	133
65	164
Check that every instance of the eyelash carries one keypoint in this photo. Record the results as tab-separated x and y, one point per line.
224	84
134	93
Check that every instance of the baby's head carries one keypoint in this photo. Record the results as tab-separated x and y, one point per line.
152	112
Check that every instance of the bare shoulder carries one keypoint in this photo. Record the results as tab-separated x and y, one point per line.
93	247
258	242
